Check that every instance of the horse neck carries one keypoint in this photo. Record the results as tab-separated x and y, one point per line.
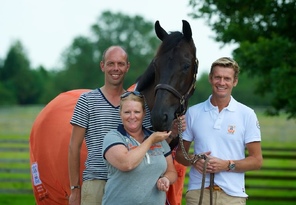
146	85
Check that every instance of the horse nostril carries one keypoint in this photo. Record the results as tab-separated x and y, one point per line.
160	120
165	117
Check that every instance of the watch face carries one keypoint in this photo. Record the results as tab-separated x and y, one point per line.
232	166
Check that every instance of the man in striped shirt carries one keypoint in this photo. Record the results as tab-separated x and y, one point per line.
95	113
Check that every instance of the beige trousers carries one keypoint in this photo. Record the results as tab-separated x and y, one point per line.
92	192
219	198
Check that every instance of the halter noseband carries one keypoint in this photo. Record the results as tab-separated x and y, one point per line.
183	98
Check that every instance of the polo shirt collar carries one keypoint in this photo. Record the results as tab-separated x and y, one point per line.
231	106
122	131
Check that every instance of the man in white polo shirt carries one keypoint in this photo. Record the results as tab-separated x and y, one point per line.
221	128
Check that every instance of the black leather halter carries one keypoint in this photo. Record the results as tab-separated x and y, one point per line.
183	98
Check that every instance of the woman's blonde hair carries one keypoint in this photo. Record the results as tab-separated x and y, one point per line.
133	96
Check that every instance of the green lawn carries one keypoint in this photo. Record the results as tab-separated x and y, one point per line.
15	126
16	123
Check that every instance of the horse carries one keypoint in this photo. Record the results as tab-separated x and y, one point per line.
167	84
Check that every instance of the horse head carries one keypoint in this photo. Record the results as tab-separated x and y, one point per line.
169	81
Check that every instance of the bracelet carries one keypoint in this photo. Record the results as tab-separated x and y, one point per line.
75	187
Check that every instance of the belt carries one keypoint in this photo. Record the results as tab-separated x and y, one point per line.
215	188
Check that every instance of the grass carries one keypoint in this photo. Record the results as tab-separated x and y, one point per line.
19	199
15	126
16	123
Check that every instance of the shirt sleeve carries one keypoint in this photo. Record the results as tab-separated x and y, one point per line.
166	147
252	132
80	114
113	137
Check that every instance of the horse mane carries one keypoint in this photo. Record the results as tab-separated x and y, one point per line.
170	41
144	80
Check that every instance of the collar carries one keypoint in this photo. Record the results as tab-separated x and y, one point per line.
122	131
231	106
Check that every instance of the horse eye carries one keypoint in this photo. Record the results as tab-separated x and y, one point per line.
186	67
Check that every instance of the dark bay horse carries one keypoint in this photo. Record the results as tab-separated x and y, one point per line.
167	84
169	80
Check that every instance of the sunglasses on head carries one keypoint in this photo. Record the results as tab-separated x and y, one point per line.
136	93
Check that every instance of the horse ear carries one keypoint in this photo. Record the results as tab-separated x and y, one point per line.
187	30
160	32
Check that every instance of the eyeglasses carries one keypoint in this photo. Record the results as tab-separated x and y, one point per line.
136	93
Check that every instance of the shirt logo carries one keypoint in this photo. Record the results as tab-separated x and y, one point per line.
258	125
231	129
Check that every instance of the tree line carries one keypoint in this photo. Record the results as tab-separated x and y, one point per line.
22	85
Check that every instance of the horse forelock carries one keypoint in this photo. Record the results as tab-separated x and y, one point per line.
170	42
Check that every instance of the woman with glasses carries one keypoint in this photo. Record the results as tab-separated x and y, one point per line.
139	161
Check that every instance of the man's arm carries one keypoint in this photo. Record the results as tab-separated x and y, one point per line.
74	162
254	159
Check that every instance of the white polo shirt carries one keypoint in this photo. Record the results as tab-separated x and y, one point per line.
225	134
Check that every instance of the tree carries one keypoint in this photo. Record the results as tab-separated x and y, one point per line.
82	58
17	77
265	32
7	97
81	67
44	80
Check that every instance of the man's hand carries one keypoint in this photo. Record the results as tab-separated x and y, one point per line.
175	126
74	198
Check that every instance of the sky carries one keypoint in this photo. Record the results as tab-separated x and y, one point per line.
47	27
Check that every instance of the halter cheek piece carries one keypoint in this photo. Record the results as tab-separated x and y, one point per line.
183	98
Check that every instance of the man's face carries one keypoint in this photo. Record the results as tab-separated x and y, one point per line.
115	66
222	81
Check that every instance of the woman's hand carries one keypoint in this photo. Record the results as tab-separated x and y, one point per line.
163	184
159	136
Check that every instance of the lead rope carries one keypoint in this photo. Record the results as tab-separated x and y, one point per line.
193	160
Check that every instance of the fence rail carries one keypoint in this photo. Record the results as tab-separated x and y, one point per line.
15	175
275	182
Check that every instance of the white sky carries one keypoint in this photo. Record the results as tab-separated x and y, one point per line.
47	27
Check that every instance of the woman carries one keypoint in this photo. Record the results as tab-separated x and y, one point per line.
139	161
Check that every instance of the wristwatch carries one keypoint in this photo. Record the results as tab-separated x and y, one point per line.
231	165
75	187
